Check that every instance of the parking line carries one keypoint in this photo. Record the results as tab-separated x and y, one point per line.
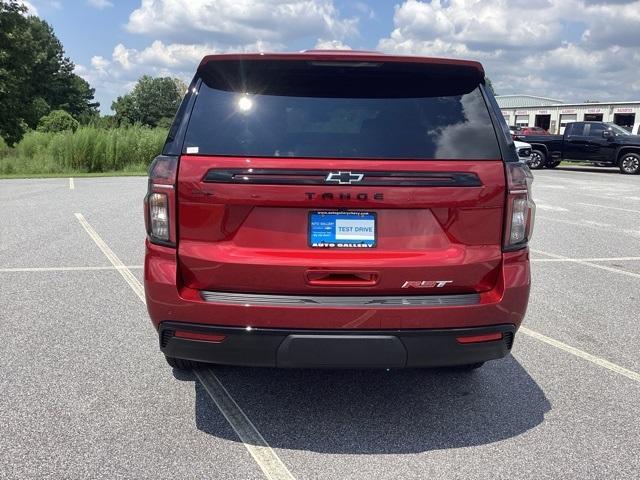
608	208
593	224
252	439
68	269
553	208
582	354
589	264
254	442
611	196
113	258
71	184
596	259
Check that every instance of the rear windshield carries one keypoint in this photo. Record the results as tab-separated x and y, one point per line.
329	111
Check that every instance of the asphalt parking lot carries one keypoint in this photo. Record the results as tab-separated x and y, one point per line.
85	392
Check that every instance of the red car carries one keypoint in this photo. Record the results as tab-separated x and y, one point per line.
524	131
337	209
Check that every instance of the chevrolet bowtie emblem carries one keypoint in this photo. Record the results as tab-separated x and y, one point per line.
344	178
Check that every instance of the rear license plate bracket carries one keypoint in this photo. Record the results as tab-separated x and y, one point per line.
342	229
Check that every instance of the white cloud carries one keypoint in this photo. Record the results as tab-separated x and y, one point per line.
183	32
617	24
331	45
364	9
100	4
565	49
99	63
118	74
158	56
31	9
239	21
480	24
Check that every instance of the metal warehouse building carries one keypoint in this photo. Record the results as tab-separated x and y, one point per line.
553	115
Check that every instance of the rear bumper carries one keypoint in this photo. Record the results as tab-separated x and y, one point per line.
281	330
288	348
167	300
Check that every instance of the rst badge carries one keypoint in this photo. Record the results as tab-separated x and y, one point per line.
426	283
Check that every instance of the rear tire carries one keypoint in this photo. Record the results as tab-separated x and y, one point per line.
538	159
630	163
552	164
181	363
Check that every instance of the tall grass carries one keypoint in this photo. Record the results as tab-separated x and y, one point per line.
88	149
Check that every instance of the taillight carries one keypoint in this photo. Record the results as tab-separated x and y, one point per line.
159	216
160	201
521	209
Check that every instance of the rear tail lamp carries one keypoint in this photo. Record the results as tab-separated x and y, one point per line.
520	211
159	216
160	201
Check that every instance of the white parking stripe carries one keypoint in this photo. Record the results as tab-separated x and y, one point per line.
590	264
598	259
67	269
551	208
71	184
582	354
608	208
254	442
113	258
611	196
593	224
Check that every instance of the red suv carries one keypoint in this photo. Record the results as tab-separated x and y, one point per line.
333	209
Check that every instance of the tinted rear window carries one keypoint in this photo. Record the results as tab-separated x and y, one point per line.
301	109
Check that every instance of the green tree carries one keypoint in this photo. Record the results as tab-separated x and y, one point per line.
489	85
152	101
104	121
35	76
125	110
12	71
58	121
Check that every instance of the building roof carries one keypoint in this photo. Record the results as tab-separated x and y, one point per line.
517	101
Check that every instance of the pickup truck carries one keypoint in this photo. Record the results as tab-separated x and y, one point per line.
600	143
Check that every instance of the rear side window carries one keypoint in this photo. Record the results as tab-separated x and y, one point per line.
576	129
596	129
309	109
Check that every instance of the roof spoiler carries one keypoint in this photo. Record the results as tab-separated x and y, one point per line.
345	56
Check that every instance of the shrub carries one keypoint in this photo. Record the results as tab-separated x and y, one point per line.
88	149
57	121
4	148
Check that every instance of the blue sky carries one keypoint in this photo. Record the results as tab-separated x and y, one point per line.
568	49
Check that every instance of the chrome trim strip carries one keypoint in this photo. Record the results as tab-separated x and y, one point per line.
250	299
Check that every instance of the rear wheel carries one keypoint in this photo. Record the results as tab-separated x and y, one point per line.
181	363
630	163
552	164
538	159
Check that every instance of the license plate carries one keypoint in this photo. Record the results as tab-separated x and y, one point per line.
336	229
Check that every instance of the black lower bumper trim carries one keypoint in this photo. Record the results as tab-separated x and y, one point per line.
335	348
